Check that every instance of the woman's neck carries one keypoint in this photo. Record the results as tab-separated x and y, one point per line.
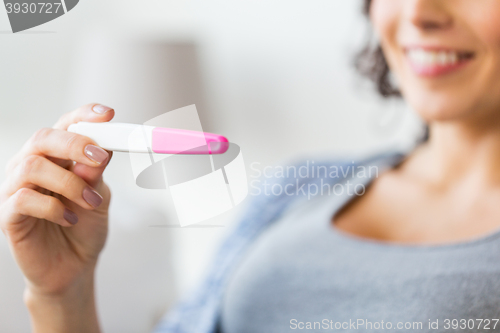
459	151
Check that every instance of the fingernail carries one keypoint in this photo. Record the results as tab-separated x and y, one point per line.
70	216
96	154
101	109
92	197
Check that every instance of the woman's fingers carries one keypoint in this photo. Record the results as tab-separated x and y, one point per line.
27	202
62	145
39	171
93	112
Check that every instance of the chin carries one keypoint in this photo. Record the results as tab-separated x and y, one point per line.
440	107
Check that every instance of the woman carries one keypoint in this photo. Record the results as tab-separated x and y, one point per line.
417	251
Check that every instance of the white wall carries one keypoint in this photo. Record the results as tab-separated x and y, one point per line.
277	80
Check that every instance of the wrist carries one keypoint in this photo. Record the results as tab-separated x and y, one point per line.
71	309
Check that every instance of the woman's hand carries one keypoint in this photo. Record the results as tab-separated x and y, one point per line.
54	212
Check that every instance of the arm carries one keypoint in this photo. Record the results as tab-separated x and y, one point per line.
54	213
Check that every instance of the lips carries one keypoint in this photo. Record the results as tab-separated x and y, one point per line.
437	62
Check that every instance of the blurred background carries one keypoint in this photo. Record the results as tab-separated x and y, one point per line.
274	76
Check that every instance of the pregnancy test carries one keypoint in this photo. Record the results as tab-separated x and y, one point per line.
134	138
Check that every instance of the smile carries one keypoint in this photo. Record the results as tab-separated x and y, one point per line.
431	63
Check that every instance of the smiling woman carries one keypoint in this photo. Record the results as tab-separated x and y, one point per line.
416	246
445	56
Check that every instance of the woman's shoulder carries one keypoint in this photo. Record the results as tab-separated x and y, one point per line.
274	189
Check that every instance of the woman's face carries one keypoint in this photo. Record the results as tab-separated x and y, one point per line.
445	55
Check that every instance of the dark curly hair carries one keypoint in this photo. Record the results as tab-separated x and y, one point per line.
371	63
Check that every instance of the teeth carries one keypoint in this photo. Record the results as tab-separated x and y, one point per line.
443	58
423	57
454	58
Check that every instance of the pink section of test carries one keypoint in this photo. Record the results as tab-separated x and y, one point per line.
178	141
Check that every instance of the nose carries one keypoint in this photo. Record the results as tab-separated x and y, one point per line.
428	14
